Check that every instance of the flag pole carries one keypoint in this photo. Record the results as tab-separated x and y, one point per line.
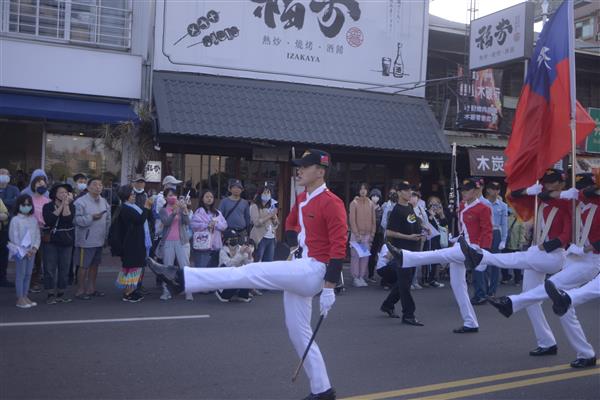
573	100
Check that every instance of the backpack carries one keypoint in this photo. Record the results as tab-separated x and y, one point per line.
116	235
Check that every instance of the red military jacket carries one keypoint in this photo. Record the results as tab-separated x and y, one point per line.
594	235
476	223
321	223
561	228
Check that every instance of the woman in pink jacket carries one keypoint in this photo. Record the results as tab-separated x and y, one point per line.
207	225
362	227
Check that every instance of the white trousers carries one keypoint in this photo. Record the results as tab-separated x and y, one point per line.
299	280
587	292
533	258
455	258
576	271
536	264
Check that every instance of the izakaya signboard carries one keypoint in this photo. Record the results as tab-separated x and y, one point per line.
501	37
480	100
487	162
373	45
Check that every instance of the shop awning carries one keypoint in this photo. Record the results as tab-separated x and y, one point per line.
247	109
64	109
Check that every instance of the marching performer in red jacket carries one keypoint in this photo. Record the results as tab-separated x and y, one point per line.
476	227
547	257
582	265
317	224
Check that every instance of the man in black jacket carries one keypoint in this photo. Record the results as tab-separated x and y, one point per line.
404	232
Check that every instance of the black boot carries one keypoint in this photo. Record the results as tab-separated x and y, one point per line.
171	275
472	257
560	299
502	304
583	362
544	351
395	252
326	395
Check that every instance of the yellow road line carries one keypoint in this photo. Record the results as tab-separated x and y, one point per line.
462	382
512	385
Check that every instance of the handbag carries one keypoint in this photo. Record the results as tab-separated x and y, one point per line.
202	240
61	237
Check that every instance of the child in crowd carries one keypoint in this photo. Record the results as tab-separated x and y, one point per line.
235	254
24	237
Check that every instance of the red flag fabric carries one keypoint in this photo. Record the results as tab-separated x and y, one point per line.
541	133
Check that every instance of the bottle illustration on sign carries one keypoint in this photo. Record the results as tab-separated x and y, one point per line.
398	70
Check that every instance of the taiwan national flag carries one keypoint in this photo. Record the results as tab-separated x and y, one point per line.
541	133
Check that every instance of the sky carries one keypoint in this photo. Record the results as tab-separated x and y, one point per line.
456	10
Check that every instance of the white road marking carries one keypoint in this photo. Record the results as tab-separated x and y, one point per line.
100	321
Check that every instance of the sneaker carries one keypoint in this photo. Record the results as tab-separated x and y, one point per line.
363	282
371	280
189	297
436	284
24	305
133	297
35	289
51	299
356	282
256	292
416	286
62	299
165	296
221	299
244	299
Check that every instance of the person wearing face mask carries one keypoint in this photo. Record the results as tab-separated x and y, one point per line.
80	188
175	242
92	224
387	207
58	215
207	224
362	227
139	187
8	196
375	196
39	187
234	254
24	235
265	223
35	174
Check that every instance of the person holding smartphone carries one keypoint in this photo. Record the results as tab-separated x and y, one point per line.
404	231
92	223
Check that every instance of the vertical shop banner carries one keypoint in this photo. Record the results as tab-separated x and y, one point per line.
592	143
362	44
480	100
487	162
153	172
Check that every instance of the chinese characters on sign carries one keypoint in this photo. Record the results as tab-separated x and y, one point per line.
358	44
480	101
504	36
331	14
153	171
487	162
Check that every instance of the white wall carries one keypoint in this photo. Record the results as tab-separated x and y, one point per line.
60	68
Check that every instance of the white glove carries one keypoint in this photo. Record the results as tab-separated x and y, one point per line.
574	249
326	300
534	189
481	267
569	194
452	239
502	245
